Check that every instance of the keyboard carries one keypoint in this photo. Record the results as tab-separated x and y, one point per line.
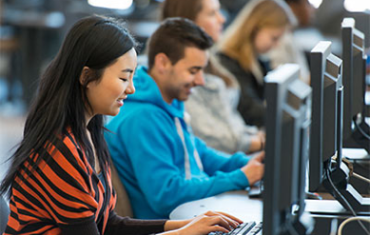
250	228
256	190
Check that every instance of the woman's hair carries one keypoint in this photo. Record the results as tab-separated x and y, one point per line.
61	102
179	8
238	40
190	9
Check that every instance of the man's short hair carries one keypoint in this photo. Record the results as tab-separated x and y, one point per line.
173	36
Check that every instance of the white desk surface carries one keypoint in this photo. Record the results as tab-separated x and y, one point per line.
354	153
236	203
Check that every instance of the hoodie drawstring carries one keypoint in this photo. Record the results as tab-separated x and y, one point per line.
186	154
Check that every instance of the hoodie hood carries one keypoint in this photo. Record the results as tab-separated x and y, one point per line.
146	90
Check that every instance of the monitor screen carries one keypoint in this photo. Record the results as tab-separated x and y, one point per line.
353	74
326	130
326	73
288	120
359	72
362	23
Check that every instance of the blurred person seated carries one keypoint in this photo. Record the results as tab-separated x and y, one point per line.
256	30
288	50
215	103
160	162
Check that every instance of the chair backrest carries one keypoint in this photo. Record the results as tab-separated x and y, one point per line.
4	214
123	205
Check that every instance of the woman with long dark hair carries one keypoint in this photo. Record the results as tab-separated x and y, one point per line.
60	181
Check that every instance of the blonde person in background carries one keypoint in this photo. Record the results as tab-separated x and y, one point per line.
255	31
213	107
289	48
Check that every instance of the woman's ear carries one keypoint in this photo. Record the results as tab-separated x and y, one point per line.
84	75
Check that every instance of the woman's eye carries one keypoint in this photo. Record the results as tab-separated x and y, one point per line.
124	79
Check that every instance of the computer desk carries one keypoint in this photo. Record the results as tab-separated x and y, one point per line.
356	154
237	203
240	205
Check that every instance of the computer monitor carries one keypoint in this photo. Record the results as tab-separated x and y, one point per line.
355	129
362	23
326	130
326	73
288	119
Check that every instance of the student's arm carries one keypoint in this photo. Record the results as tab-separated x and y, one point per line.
202	224
87	227
125	225
64	190
206	223
214	160
156	155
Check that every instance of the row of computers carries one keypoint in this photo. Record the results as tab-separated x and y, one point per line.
311	125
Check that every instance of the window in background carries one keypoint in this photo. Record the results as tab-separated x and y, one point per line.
112	4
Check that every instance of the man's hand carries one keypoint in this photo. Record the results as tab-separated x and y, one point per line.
255	168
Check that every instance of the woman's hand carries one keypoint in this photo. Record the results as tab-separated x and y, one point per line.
208	222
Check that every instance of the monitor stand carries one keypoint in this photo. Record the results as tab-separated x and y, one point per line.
339	177
360	161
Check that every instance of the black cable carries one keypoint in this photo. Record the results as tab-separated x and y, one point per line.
345	201
362	131
339	194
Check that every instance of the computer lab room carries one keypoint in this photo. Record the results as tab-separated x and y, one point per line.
185	117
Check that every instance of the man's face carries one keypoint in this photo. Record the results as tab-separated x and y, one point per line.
184	75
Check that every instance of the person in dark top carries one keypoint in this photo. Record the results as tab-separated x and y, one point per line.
257	29
60	180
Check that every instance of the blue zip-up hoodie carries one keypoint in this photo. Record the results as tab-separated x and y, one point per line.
149	155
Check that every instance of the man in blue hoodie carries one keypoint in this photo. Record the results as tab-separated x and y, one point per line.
160	162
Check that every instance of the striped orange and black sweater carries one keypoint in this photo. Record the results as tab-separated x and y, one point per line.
65	196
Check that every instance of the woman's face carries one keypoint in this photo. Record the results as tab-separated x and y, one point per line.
211	19
267	38
106	96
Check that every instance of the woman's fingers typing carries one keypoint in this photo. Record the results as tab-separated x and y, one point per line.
211	221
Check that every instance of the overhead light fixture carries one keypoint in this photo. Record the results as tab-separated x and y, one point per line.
315	3
112	4
357	5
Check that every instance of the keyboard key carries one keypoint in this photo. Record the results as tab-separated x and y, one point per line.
242	229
